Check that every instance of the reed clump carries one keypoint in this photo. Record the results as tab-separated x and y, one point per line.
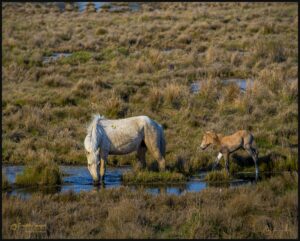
152	177
40	174
217	176
5	183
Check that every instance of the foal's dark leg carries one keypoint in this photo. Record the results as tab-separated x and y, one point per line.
254	154
226	157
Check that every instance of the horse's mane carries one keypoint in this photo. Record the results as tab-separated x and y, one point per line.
93	138
94	122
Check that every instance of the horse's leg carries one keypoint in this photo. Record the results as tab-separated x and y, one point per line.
103	167
226	157
141	155
254	155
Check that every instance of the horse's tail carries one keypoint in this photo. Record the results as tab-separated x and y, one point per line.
162	142
154	130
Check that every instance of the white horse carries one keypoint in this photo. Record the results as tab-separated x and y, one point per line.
123	136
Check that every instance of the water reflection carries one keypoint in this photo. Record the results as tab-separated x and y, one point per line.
195	87
55	56
111	6
78	179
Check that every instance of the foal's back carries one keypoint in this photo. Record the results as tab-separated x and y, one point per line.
240	137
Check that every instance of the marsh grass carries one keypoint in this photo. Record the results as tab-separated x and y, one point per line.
153	177
120	66
5	183
217	176
136	63
40	173
76	58
258	211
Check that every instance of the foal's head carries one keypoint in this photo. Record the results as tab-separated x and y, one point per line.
208	139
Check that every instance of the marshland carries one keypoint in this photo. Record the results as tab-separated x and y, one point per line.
192	67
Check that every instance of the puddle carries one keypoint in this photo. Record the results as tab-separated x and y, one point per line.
54	57
241	83
81	6
195	87
167	50
77	179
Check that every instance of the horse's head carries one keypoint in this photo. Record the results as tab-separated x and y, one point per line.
208	139
93	161
92	148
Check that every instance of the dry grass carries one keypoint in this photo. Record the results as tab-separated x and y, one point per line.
266	210
40	173
136	63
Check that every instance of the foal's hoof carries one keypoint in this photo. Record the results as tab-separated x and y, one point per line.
138	167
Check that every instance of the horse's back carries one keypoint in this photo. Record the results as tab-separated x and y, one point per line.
125	135
129	120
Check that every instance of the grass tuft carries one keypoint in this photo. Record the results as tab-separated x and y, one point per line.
217	176
5	183
40	173
153	177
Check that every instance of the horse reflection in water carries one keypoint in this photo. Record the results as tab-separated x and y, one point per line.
119	137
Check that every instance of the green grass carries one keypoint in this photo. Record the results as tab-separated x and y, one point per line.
217	176
40	173
153	177
77	58
101	31
5	183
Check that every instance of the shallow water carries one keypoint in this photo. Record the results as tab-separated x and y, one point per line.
54	57
241	83
77	179
82	6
